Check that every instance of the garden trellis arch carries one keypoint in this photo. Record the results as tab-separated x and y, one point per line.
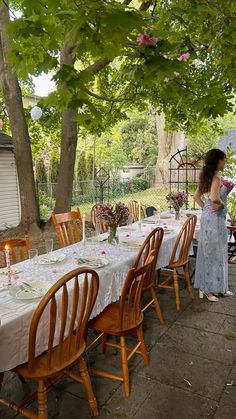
184	174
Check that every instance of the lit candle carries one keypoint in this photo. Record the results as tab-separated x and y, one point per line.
139	211
8	263
83	227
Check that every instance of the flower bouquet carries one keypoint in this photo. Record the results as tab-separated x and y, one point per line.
177	200
228	184
112	216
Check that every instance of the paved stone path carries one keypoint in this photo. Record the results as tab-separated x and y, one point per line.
192	371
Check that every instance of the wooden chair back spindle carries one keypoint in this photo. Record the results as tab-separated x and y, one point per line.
151	243
19	250
98	225
130	300
179	256
68	227
61	308
134	210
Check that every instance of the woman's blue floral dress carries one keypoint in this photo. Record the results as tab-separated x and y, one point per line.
211	274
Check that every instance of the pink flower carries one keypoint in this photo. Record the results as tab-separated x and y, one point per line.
15	276
184	56
228	184
127	235
103	252
147	40
54	270
1	124
166	79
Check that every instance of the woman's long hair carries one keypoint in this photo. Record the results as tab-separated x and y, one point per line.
209	169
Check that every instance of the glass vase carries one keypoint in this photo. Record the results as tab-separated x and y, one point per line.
112	235
177	213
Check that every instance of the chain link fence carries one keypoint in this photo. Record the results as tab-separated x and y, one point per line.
86	193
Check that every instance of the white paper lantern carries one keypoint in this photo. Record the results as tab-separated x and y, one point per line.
36	113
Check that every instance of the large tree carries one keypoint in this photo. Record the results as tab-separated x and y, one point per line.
120	55
13	102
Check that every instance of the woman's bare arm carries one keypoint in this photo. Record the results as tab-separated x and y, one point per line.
198	198
215	195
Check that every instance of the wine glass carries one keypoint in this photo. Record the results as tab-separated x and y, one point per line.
49	246
33	256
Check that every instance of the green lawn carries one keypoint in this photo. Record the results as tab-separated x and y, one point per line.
149	197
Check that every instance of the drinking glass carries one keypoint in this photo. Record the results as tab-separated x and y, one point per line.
33	256
49	246
157	216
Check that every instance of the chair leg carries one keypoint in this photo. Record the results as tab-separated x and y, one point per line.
156	305
42	400
157	278
143	346
83	371
187	277
104	343
176	287
124	364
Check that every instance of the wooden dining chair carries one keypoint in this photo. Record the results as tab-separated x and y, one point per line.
169	276
68	313
231	243
123	319
97	225
134	210
68	227
151	244
19	250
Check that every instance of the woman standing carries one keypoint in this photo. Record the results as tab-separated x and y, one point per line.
211	275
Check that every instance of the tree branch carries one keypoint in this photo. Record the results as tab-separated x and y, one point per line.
107	99
127	2
145	5
98	66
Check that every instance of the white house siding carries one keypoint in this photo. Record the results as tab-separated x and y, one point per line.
9	192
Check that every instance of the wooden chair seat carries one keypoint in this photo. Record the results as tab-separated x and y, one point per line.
69	310
41	362
108	321
122	319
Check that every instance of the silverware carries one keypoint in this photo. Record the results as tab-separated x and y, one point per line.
32	289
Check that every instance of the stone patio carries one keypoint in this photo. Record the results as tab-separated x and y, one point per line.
192	371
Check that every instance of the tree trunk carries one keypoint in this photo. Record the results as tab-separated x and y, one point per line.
14	106
168	143
68	147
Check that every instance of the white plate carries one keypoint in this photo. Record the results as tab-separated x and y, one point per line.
22	292
54	258
3	271
168	230
93	262
130	244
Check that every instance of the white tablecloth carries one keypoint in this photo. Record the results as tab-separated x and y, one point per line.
15	315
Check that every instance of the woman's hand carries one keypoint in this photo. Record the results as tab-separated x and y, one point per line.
216	207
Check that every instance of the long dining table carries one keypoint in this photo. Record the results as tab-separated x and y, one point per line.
16	315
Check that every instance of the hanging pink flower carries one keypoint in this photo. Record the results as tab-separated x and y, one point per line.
184	56
166	79
1	124
147	40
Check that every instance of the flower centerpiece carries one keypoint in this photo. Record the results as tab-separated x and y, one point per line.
177	200
112	216
228	184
